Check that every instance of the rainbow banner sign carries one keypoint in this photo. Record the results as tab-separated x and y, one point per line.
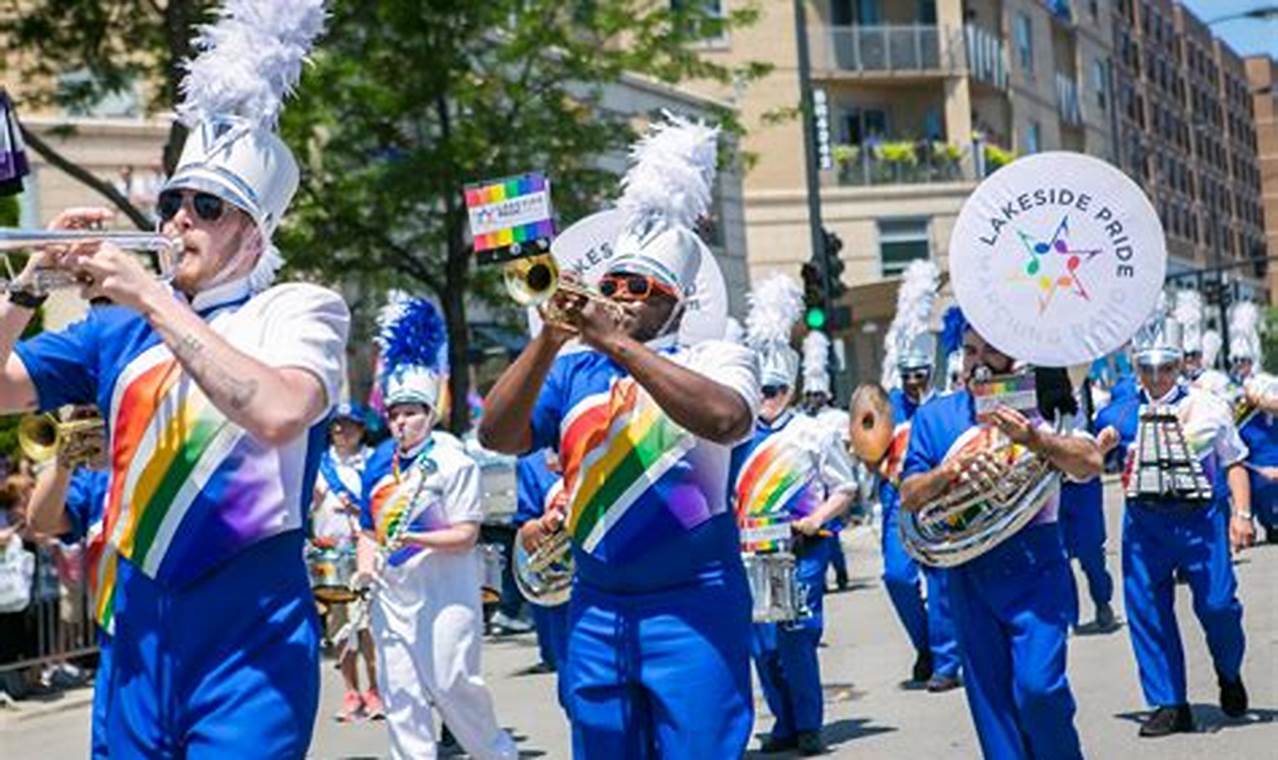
510	218
1016	391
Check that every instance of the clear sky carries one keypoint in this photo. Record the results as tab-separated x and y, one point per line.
1246	36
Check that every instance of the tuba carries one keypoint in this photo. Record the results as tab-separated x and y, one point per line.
970	518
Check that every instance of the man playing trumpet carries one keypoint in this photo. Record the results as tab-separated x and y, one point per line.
1012	606
215	389
659	642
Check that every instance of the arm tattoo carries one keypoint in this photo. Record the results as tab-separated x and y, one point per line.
238	393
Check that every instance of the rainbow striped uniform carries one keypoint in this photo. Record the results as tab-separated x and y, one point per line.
643	492
188	488
449	493
786	471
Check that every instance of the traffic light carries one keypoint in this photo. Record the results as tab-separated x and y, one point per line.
813	294
834	264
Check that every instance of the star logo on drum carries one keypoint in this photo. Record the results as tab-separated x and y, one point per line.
1053	266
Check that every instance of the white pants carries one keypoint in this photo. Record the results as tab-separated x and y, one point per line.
428	624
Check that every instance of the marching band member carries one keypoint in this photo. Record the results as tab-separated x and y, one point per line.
419	520
1256	400
334	524
818	403
1012	606
540	490
795	469
1082	521
1163	536
910	349
67	502
216	388
658	658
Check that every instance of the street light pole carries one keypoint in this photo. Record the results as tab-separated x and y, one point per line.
808	111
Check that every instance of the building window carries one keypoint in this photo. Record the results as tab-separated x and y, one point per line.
1024	35
902	241
1034	138
1100	83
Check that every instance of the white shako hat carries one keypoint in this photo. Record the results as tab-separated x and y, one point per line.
775	305
233	91
665	192
1188	311
413	341
1244	331
910	343
1211	347
1158	340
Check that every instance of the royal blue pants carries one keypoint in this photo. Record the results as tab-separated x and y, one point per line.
838	560
1012	610
101	692
1264	500
785	654
1156	544
227	667
664	674
929	625
1082	521
552	641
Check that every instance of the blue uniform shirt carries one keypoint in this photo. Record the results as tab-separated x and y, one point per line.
533	484
86	496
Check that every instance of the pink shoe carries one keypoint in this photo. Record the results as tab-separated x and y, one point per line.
352	705
373	707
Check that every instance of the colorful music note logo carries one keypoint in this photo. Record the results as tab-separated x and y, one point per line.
1052	265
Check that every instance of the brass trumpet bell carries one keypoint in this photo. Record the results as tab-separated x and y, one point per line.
42	436
532	279
38	437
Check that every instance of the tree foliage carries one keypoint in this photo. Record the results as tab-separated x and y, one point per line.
408	101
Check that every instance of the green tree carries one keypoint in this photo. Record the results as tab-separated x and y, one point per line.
407	101
109	46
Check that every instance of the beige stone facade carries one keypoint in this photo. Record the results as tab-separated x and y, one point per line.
1262	78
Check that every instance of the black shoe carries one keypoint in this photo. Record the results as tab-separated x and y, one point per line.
777	744
937	684
810	743
1105	619
446	739
842	582
923	667
1233	697
1168	720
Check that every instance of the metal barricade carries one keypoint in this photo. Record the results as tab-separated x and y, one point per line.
57	623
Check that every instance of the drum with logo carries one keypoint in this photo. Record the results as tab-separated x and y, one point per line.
331	570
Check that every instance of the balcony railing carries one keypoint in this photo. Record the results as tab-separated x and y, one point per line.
986	56
909	162
1067	100
885	48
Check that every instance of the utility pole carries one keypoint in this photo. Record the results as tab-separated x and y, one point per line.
815	227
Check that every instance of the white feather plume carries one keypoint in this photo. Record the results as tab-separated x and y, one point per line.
816	354
734	332
914	301
776	303
1244	329
672	172
250	59
1189	313
1211	348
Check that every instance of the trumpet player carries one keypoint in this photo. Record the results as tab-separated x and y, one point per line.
215	388
1165	535
1012	606
67	501
796	470
658	658
419	521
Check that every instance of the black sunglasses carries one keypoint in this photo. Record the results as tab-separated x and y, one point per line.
916	375
207	206
772	391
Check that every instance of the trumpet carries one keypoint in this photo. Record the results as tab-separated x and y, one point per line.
43	437
159	253
534	280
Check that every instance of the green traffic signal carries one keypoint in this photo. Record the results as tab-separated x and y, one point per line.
815	318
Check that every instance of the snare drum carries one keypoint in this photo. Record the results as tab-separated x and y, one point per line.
774	587
493	561
331	571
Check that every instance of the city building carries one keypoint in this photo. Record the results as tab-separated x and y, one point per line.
1262	76
919	99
